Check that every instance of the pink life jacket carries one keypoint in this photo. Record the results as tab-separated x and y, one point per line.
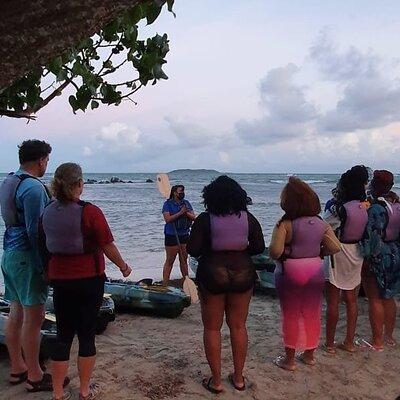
307	236
229	232
354	222
392	231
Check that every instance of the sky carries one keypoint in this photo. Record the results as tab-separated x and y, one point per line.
254	86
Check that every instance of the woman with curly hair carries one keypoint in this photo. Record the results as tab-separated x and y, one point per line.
381	249
224	237
299	240
348	216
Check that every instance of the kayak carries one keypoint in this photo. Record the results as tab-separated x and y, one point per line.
145	296
263	264
105	316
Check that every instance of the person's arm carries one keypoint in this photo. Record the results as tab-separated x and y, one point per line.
190	213
197	242
105	240
277	245
256	237
330	243
112	253
168	217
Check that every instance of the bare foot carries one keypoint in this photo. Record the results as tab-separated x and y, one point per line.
306	359
282	362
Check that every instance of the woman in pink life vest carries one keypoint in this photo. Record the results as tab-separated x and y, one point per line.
348	216
299	240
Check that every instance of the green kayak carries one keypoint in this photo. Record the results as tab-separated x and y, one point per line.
145	296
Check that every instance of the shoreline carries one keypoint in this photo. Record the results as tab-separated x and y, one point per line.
144	357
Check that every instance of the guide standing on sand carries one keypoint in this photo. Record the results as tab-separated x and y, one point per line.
178	215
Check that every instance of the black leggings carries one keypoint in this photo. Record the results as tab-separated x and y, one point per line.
76	304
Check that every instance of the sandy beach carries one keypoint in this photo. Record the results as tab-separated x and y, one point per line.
142	357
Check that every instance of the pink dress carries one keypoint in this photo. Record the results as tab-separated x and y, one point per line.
299	280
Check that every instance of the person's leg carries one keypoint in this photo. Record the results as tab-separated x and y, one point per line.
30	338
350	297
171	252
13	339
65	305
237	307
212	312
390	310
375	308
183	257
332	314
91	300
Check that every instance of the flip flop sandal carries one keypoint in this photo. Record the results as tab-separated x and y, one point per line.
232	382
278	361
300	357
44	385
342	346
364	344
207	385
329	349
94	391
390	342
21	377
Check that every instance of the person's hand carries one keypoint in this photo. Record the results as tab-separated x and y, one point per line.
126	271
183	210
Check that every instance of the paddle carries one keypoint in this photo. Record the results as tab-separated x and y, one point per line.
189	287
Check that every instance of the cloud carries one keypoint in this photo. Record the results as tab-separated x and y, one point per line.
224	157
369	100
117	137
189	134
343	66
287	110
87	151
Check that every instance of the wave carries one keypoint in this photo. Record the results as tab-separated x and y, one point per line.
309	181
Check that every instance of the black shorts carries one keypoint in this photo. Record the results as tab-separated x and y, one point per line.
170	240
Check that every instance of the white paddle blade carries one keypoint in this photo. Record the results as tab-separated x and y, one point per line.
190	288
163	185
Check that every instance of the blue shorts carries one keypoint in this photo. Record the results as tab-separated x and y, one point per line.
23	278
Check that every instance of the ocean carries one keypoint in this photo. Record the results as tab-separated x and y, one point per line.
133	210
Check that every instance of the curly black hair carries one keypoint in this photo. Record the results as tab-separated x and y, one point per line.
33	150
224	196
351	185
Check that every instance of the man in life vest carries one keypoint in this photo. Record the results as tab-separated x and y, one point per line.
22	198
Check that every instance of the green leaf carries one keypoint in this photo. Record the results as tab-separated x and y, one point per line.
107	64
170	4
135	15
94	104
73	102
55	65
32	96
152	12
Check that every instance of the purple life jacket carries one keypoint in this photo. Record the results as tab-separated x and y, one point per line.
307	236
229	232
353	222
392	230
62	225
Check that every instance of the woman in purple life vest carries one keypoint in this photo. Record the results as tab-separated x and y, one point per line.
348	216
224	237
381	250
298	241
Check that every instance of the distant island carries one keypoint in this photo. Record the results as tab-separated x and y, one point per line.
201	170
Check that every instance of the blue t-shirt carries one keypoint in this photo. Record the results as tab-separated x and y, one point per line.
31	198
183	223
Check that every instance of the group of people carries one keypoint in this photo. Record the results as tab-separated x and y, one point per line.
55	238
52	238
356	240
